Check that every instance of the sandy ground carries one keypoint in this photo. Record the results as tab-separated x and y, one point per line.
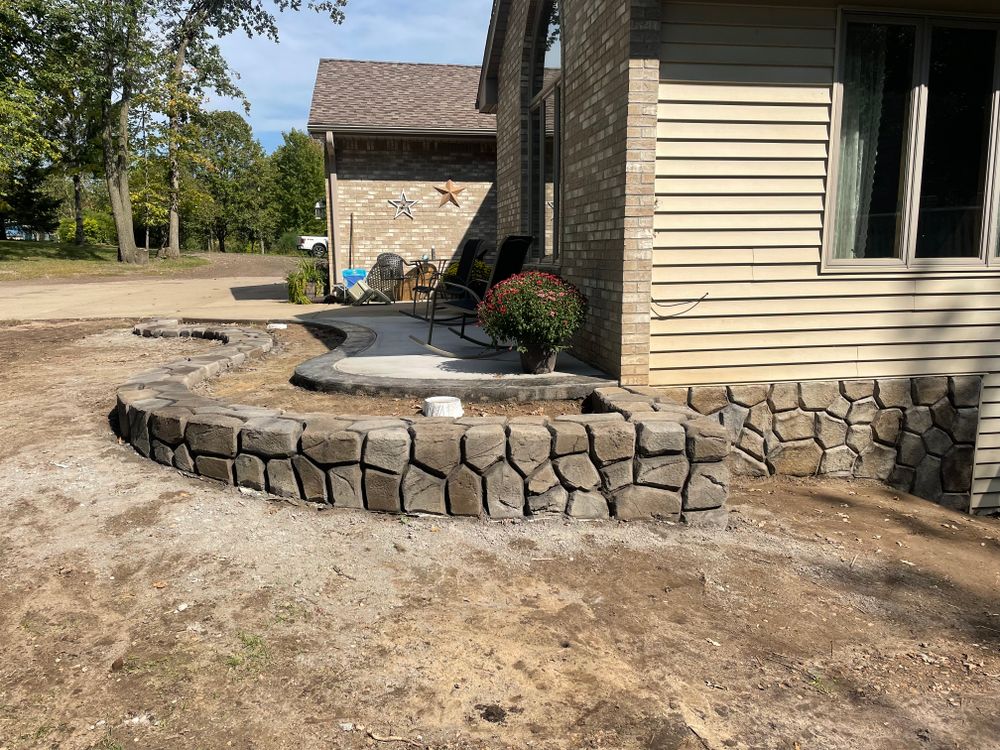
140	608
231	288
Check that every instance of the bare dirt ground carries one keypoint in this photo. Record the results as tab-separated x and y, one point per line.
140	608
266	383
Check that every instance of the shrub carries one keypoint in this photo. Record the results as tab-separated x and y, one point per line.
286	244
308	272
481	271
535	310
98	229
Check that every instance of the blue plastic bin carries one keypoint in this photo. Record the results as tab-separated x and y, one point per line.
353	275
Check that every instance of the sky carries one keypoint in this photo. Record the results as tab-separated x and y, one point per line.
278	78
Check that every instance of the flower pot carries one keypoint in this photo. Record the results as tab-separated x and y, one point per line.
537	361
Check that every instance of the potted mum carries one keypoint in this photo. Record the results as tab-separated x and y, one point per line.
537	311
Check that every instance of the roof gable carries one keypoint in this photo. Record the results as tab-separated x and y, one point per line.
486	99
388	97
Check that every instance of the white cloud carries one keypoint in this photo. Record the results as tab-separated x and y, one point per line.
278	78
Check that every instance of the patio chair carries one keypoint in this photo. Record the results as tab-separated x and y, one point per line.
428	275
381	283
387	274
509	261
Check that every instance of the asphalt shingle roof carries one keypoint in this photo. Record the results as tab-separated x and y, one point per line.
361	95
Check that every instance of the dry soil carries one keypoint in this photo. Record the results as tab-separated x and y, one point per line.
140	608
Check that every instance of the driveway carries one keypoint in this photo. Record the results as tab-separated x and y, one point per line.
227	298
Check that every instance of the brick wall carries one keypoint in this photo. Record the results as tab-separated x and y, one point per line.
512	122
372	172
611	73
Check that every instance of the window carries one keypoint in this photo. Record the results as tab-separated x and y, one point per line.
917	151
545	118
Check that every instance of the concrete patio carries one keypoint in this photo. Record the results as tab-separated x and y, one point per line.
381	355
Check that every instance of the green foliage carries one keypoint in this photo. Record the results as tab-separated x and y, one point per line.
25	202
98	229
21	133
308	273
481	271
534	310
233	172
298	183
286	244
252	656
120	79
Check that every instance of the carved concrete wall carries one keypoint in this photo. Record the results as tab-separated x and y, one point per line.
668	465
916	434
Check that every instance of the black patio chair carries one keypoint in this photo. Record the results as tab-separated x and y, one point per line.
509	261
428	275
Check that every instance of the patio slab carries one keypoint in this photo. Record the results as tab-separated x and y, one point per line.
380	357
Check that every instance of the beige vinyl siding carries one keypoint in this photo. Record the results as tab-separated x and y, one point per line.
744	130
986	481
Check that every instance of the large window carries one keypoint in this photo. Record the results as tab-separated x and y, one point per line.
916	169
544	132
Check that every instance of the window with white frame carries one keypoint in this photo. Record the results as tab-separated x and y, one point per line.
544	132
915	176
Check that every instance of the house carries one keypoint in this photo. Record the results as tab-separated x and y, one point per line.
410	163
785	213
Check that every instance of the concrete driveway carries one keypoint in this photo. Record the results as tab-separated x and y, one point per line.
229	299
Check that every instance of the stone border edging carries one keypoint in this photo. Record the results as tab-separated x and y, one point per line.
320	374
667	464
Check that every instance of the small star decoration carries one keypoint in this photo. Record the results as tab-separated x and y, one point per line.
449	193
403	206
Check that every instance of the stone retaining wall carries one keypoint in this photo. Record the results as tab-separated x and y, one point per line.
666	464
916	434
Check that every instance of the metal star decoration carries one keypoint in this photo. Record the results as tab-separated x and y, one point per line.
449	193
403	206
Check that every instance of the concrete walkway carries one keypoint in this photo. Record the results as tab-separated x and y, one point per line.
230	299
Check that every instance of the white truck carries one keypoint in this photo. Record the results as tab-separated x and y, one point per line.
315	246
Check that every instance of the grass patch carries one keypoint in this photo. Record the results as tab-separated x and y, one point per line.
20	260
253	655
108	743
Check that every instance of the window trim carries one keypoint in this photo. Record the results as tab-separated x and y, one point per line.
988	258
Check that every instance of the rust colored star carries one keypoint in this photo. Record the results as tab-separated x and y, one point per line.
449	193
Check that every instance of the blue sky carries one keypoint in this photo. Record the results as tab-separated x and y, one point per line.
278	78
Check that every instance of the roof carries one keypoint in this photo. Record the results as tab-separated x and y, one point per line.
486	96
357	96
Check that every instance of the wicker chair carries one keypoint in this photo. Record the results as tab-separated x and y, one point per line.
386	275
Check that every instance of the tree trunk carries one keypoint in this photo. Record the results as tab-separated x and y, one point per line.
114	139
3	227
173	249
222	242
79	237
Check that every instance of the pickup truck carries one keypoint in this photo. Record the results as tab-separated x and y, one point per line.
315	246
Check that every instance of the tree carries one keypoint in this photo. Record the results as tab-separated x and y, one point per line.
232	170
22	46
190	27
298	182
46	102
120	50
25	202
